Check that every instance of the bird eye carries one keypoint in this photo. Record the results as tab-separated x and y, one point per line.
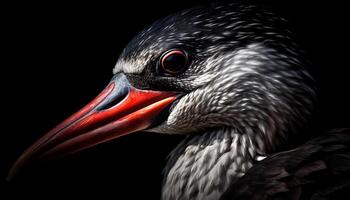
173	62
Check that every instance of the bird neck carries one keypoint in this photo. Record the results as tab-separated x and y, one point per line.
204	165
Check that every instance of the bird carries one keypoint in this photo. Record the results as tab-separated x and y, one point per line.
232	78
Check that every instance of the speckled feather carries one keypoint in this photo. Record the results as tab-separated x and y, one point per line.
245	95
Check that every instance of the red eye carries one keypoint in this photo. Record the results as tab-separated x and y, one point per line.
173	62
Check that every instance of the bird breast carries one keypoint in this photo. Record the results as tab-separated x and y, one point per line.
203	166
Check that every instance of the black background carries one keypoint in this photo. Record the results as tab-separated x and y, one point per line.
58	56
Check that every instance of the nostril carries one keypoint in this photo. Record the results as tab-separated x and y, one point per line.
113	101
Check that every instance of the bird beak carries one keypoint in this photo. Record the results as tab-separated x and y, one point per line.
118	110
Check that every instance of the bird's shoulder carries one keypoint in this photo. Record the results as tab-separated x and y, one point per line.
318	169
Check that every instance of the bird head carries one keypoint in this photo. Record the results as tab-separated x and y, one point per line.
203	68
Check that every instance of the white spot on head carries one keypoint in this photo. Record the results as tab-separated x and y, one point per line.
133	66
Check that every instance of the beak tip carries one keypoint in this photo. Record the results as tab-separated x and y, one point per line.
12	173
16	168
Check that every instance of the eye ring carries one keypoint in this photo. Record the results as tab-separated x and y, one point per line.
173	62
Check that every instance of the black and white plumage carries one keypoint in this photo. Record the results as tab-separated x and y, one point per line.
318	169
245	49
244	100
246	92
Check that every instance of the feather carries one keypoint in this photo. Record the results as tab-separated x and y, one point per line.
318	169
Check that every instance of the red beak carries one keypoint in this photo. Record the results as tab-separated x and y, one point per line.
118	110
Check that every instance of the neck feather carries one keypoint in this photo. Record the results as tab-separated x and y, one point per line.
204	165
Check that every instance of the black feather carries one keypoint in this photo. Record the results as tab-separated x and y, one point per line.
318	169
